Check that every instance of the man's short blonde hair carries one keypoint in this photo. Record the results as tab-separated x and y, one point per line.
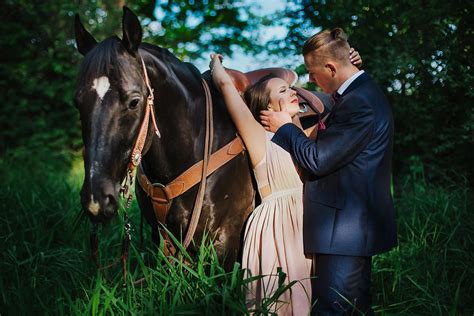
328	44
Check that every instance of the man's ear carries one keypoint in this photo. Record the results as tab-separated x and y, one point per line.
332	68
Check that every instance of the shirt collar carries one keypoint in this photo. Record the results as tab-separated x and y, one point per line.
348	82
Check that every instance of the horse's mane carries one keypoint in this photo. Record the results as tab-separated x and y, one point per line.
103	59
166	56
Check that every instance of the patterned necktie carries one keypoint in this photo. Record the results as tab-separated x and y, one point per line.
321	125
335	96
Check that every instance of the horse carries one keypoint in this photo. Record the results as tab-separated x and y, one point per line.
111	97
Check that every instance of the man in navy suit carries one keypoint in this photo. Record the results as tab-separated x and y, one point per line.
348	208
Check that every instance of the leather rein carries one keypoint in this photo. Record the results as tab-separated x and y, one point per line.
162	195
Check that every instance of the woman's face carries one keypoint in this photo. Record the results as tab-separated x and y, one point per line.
281	96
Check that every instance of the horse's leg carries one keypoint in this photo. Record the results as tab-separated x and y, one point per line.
146	209
155	236
228	242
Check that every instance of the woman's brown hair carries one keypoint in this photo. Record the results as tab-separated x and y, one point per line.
257	96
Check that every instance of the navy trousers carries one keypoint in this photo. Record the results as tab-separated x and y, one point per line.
342	285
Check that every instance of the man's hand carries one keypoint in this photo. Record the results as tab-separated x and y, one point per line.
272	121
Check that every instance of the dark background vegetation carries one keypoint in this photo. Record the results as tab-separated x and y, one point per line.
420	52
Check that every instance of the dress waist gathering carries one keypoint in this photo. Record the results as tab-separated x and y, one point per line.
280	193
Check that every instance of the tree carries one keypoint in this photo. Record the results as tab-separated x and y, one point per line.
39	61
190	28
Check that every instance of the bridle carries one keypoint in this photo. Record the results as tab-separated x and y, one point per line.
127	182
136	155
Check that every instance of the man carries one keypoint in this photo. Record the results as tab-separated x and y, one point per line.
348	209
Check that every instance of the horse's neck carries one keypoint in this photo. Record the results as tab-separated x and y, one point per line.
180	113
178	90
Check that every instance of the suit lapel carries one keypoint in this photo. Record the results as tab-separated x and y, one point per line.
354	85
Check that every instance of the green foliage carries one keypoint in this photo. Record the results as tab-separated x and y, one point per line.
39	62
42	256
430	273
421	55
38	68
26	72
190	28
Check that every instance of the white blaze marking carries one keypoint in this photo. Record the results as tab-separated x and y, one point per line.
101	86
94	206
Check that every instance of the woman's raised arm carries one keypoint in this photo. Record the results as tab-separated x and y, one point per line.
252	133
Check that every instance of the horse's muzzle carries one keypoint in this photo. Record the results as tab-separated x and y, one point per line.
110	206
101	204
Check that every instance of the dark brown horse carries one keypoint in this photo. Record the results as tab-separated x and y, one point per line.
111	98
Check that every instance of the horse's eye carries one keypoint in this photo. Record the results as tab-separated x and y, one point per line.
133	104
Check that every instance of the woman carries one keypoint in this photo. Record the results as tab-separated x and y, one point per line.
273	235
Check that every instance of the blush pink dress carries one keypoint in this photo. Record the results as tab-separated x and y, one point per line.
274	235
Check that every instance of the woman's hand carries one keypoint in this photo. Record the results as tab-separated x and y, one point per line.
355	58
218	73
216	59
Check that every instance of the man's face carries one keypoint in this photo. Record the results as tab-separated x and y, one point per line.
320	73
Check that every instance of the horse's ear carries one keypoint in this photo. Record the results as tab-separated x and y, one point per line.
84	40
132	31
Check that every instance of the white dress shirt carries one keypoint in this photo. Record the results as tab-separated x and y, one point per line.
348	82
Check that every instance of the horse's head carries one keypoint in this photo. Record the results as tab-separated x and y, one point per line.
111	98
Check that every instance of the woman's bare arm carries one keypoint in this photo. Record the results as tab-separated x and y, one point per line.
252	133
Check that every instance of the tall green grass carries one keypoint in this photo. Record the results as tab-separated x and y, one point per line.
431	272
45	265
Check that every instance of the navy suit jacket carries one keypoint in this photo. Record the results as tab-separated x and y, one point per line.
348	208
